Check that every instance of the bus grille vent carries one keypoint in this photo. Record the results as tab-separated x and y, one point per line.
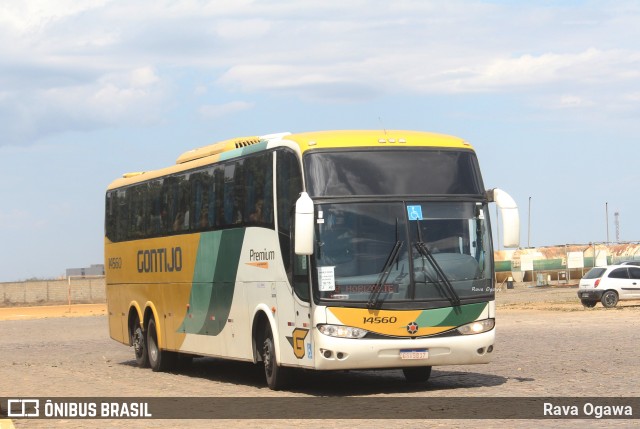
245	143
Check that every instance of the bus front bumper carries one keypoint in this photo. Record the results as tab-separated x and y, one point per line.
342	353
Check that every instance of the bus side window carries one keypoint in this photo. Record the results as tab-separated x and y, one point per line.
122	211
228	190
111	217
155	208
258	209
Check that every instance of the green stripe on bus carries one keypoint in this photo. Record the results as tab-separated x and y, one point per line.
451	316
243	151
213	282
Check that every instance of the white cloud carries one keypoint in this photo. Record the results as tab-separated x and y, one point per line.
571	102
32	15
130	97
242	29
218	110
74	63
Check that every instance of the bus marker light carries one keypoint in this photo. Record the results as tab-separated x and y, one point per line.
273	310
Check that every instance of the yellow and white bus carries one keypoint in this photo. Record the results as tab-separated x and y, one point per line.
331	250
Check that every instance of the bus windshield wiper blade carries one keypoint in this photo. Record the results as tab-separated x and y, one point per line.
384	275
452	295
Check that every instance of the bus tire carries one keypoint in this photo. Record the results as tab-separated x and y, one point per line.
139	340
159	360
609	299
417	374
275	375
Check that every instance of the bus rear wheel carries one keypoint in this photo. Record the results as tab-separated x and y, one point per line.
275	375
159	360
139	341
417	374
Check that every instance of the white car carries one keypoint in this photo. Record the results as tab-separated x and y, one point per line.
609	285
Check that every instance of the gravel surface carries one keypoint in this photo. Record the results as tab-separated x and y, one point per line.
547	345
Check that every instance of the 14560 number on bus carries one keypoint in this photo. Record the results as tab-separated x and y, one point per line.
378	319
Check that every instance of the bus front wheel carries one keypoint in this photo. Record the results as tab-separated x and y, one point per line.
418	374
275	375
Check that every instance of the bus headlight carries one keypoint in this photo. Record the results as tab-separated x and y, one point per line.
342	331
477	327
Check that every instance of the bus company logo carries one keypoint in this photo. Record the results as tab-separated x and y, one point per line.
23	408
161	260
412	328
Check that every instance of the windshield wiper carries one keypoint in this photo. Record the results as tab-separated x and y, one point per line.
441	277
384	275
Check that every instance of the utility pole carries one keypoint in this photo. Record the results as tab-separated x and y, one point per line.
529	225
616	216
606	215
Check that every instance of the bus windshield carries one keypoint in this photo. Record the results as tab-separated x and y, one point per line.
384	252
397	171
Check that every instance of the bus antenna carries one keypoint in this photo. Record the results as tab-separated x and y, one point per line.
382	125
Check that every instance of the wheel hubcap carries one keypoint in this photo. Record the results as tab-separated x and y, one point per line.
137	342
267	358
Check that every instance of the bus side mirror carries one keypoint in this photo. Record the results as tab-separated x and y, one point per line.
510	216
304	225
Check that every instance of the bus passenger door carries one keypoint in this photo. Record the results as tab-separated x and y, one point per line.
302	346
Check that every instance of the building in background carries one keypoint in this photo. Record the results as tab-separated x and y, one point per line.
92	270
560	264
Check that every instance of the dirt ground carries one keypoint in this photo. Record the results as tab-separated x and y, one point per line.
41	312
547	345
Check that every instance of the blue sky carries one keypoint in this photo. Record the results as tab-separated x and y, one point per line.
547	92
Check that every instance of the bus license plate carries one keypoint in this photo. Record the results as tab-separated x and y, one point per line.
585	295
414	354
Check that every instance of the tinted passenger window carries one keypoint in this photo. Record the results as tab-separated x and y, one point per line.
619	273
235	193
594	273
634	273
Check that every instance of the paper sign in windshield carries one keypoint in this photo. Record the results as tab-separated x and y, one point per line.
326	279
414	212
